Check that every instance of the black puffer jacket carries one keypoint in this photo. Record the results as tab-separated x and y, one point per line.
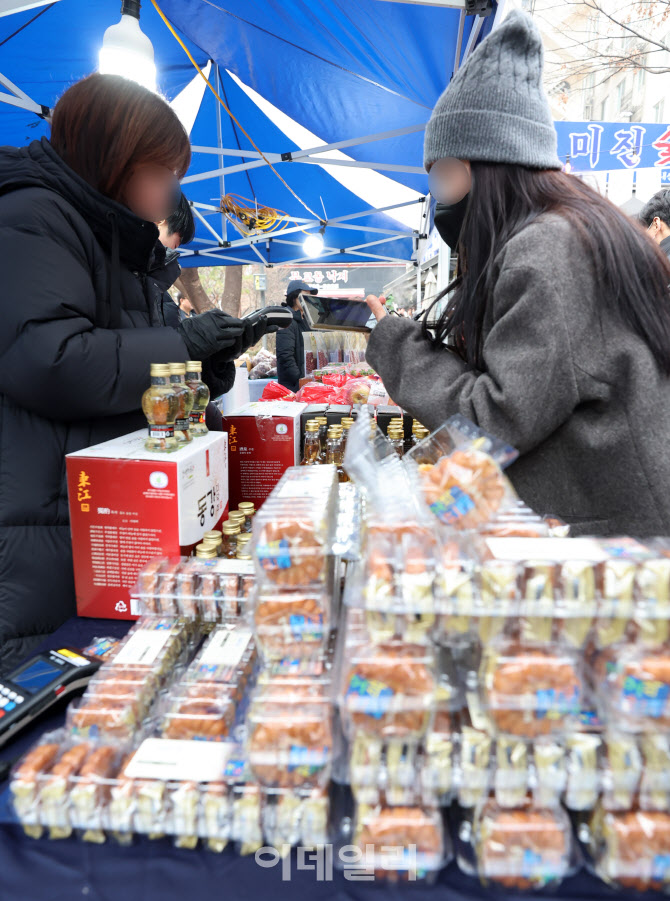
291	353
79	331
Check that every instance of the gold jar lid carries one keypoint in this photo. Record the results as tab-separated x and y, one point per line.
214	535
206	551
347	422
312	426
247	508
243	553
193	366
237	517
395	433
177	368
231	528
160	369
244	537
322	420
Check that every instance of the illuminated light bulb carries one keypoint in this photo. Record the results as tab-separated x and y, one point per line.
126	50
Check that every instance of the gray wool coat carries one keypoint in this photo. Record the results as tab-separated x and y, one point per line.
566	382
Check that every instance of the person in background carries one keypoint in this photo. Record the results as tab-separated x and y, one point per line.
290	343
184	305
173	232
656	217
559	318
78	236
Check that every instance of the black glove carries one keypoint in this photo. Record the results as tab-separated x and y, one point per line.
211	333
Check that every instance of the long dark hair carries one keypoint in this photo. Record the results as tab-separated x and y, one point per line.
633	271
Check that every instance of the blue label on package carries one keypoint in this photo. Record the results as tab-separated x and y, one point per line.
453	505
378	695
274	554
648	697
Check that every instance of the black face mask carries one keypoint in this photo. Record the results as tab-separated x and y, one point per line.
449	221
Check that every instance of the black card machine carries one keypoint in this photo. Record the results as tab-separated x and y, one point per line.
28	690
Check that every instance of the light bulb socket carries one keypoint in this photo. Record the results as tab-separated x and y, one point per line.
131	8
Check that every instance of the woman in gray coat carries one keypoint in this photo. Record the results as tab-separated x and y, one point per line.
556	333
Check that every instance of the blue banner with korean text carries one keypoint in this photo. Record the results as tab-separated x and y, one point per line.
602	146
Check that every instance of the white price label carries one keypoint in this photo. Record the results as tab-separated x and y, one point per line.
226	647
143	647
174	759
555	550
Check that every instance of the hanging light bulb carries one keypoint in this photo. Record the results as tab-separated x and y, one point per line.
126	50
314	244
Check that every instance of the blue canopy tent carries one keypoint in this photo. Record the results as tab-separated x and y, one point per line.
335	93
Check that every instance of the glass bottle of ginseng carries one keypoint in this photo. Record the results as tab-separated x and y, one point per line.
160	404
186	399
200	398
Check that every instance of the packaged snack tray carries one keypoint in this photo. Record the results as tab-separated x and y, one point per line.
212	590
524	848
387	690
530	690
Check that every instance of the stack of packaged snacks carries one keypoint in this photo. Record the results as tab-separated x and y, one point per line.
523	848
215	590
118	700
292	607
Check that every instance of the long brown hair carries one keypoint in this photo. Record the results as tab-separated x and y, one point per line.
504	199
104	126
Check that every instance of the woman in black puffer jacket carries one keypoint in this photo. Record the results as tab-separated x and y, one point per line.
79	324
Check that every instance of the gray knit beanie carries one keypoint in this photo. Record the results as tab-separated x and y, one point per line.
495	109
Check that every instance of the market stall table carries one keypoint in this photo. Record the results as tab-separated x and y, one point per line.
45	870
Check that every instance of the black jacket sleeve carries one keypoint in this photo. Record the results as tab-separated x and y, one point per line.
288	371
54	361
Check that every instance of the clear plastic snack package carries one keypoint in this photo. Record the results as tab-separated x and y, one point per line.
523	848
227	658
90	791
618	589
655	783
631	849
636	693
459	470
291	819
557	586
290	736
395	581
110	716
25	785
458	589
583	771
475	765
621	765
201	712
530	690
293	533
212	590
291	624
387	690
653	584
118	701
397	843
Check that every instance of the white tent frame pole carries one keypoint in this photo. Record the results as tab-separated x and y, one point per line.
378	231
251	240
474	35
322	148
18	97
212	231
276	159
7	9
219	141
459	41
